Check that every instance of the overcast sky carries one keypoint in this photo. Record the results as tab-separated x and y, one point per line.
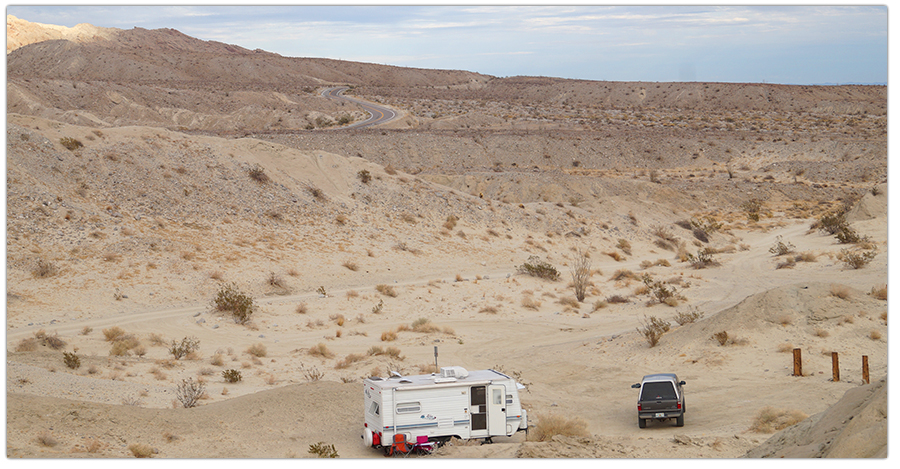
774	44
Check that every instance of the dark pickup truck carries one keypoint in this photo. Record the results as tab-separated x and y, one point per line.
661	398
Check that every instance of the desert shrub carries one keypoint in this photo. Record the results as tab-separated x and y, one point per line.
781	248
71	360
784	347
257	350
721	337
616	299
275	280
621	274
879	293
581	274
52	341
321	450
388	336
364	176
217	360
548	426
189	392
805	257
653	328
186	346
28	344
70	143
536	267
258	174
658	290
599	304
840	291
450	222
386	290
377	309
313	374
624	245
349	360
665	239
140	450
320	350
856	259
231	376
338	319
683	317
788	263
752	208
44	269
832	223
230	299
819	332
703	259
113	333
705	226
314	191
771	420
875	335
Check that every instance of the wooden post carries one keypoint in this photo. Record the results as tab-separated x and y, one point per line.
866	369
835	369
798	366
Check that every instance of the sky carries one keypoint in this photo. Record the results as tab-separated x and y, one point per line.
797	44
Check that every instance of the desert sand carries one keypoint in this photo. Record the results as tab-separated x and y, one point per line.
142	225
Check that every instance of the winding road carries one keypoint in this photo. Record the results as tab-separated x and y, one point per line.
377	114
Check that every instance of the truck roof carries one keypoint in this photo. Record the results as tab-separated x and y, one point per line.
476	376
660	377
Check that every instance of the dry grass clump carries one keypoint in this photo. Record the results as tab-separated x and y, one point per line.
686	317
879	293
28	344
46	439
321	350
785	320
338	319
529	302
301	309
653	328
140	450
489	310
424	326
624	246
388	336
53	341
156	340
806	256
258	174
840	291
44	269
217	360
551	425
351	265
819	332
788	263
615	256
386	290
623	274
349	360
113	333
665	239
784	347
617	299
257	350
536	267
875	335
771	420
599	304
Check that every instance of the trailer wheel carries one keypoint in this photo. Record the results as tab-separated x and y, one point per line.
642	423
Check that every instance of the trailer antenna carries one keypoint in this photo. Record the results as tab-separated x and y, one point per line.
435	360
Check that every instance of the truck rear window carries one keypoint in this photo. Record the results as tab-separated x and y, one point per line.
657	391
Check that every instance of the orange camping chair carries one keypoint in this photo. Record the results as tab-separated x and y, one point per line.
400	445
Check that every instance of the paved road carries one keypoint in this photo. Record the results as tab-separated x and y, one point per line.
377	114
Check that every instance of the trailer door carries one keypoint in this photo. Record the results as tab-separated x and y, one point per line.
497	409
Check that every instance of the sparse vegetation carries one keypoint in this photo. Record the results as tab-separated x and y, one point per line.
189	392
703	259
321	350
840	291
44	269
721	337
879	293
658	290
230	299
321	450
653	328
140	450
70	143
536	267
550	425
771	420
752	209
386	290
258	174
581	274
856	259
364	176
186	346
686	317
257	350
71	360
231	376
781	248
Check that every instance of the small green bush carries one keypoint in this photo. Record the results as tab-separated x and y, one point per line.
230	299
536	267
322	450
70	143
232	376
71	360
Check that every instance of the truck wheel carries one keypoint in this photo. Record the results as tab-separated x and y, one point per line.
642	423
679	421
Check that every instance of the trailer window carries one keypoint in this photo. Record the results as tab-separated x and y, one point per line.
509	399
374	408
408	407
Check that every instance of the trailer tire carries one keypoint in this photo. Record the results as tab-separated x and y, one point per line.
642	423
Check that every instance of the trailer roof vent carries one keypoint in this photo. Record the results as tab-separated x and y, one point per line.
457	372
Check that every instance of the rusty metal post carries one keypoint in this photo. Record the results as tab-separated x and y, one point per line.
835	369
866	369
798	366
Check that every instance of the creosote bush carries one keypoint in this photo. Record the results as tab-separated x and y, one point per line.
536	267
581	274
658	290
231	300
189	392
752	208
653	328
321	450
683	317
71	360
231	376
186	346
856	259
703	259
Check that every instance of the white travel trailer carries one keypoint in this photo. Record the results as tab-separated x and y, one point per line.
433	408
